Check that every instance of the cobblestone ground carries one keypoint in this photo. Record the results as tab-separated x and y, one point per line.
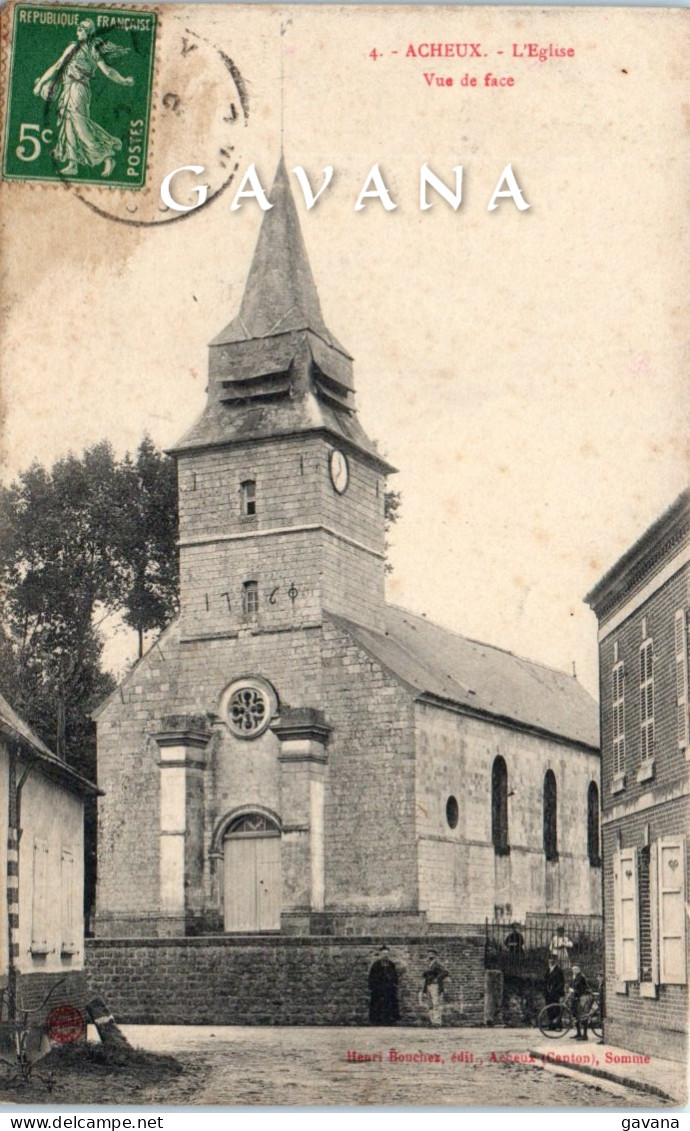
278	1066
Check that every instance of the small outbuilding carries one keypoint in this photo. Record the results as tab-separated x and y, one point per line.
42	857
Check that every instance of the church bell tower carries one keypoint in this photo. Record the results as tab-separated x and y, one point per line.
281	493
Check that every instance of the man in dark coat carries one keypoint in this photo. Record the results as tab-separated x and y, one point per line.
554	984
515	941
383	990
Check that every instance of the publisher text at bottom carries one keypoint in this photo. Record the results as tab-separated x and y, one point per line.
466	1056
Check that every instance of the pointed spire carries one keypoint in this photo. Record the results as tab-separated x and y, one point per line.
276	369
280	294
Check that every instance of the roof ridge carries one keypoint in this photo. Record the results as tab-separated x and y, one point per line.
351	625
503	686
16	724
486	644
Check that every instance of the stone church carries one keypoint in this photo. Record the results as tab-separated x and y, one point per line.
294	755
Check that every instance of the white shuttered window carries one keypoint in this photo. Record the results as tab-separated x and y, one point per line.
647	701
671	905
39	902
654	909
67	901
618	704
626	915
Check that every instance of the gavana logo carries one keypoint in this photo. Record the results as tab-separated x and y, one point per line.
631	1124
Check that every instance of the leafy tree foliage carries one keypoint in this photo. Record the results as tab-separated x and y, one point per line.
151	592
90	537
59	563
392	501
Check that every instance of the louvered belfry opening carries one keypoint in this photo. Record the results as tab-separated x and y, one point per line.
279	346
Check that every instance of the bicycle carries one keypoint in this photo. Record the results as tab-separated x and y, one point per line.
23	1041
557	1019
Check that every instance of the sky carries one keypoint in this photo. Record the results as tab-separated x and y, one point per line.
524	370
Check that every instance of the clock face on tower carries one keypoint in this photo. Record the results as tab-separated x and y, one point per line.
339	469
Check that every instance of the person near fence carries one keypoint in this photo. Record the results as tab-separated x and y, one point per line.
431	994
514	942
580	1001
561	947
554	985
383	990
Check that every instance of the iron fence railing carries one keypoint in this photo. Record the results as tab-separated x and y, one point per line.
523	949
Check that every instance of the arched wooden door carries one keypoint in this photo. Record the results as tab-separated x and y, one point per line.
253	884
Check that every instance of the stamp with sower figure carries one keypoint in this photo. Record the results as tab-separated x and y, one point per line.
79	94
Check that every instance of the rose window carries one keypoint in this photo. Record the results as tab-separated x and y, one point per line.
248	707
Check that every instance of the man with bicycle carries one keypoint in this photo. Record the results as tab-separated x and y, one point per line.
579	1001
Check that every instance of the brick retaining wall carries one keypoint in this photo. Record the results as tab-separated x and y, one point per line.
227	980
70	988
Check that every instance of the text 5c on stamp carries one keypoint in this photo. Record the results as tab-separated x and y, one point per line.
79	94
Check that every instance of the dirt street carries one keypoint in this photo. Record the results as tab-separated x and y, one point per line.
279	1066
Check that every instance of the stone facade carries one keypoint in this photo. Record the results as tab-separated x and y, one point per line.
284	759
642	605
305	552
461	876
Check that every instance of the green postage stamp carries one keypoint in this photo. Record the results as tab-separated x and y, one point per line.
79	94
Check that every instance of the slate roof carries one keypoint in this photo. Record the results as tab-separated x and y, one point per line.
435	662
13	726
280	294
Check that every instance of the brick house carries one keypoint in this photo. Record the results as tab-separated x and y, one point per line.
42	858
642	606
294	755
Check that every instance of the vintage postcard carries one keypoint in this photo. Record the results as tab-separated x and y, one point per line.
344	556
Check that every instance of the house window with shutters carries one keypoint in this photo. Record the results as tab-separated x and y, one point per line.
670	900
618	723
649	920
40	903
626	916
67	893
645	910
681	651
649	890
646	702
